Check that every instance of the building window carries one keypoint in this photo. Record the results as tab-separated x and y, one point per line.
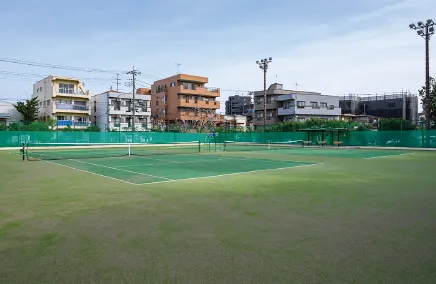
331	107
314	104
157	102
324	105
173	84
259	100
301	104
66	88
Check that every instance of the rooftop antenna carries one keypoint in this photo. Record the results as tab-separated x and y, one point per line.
178	64
277	79
296	86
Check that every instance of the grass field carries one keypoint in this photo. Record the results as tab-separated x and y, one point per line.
266	216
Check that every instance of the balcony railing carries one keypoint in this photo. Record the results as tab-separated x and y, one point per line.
72	107
212	90
72	123
64	123
81	123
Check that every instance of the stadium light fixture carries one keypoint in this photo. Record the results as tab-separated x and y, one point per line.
426	31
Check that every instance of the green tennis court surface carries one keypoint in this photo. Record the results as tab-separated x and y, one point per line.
171	168
171	215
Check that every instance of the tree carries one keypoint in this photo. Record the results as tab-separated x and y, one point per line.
394	124
28	109
432	99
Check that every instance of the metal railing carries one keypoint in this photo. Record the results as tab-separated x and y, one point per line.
72	107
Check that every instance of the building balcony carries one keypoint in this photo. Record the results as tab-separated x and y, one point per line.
287	111
288	97
72	108
198	104
64	123
207	92
86	95
308	110
72	124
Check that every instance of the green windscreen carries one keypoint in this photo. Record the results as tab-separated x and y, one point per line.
407	138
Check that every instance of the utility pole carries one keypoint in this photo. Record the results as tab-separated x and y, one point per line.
263	64
118	81
134	73
426	31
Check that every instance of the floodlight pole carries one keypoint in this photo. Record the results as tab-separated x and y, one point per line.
426	31
263	64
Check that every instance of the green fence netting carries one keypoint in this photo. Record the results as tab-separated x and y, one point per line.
412	138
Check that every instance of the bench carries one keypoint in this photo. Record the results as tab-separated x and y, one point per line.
338	143
308	143
322	143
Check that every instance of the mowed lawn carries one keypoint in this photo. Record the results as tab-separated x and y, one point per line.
344	221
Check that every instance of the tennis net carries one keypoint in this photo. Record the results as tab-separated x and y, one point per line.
260	146
62	151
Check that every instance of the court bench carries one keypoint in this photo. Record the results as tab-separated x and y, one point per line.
308	143
338	143
322	143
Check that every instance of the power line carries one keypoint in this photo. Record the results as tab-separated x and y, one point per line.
56	66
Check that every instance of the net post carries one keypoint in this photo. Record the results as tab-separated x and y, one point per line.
129	149
269	144
199	146
224	145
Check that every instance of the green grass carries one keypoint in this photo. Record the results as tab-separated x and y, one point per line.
347	220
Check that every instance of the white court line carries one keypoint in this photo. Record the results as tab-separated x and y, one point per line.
112	168
385	156
91	173
175	162
262	159
232	174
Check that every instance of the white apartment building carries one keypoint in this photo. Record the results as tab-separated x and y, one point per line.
290	105
301	107
8	113
63	99
112	111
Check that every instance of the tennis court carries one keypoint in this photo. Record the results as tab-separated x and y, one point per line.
171	168
295	148
142	164
187	213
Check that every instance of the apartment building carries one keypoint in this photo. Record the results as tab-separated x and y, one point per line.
113	111
290	105
63	99
184	97
393	105
239	105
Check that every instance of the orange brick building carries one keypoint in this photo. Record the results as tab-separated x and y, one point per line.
184	98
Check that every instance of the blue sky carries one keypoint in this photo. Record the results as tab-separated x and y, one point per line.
334	47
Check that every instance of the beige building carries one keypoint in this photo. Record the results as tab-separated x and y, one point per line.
63	99
185	98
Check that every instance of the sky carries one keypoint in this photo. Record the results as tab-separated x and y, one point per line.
334	47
